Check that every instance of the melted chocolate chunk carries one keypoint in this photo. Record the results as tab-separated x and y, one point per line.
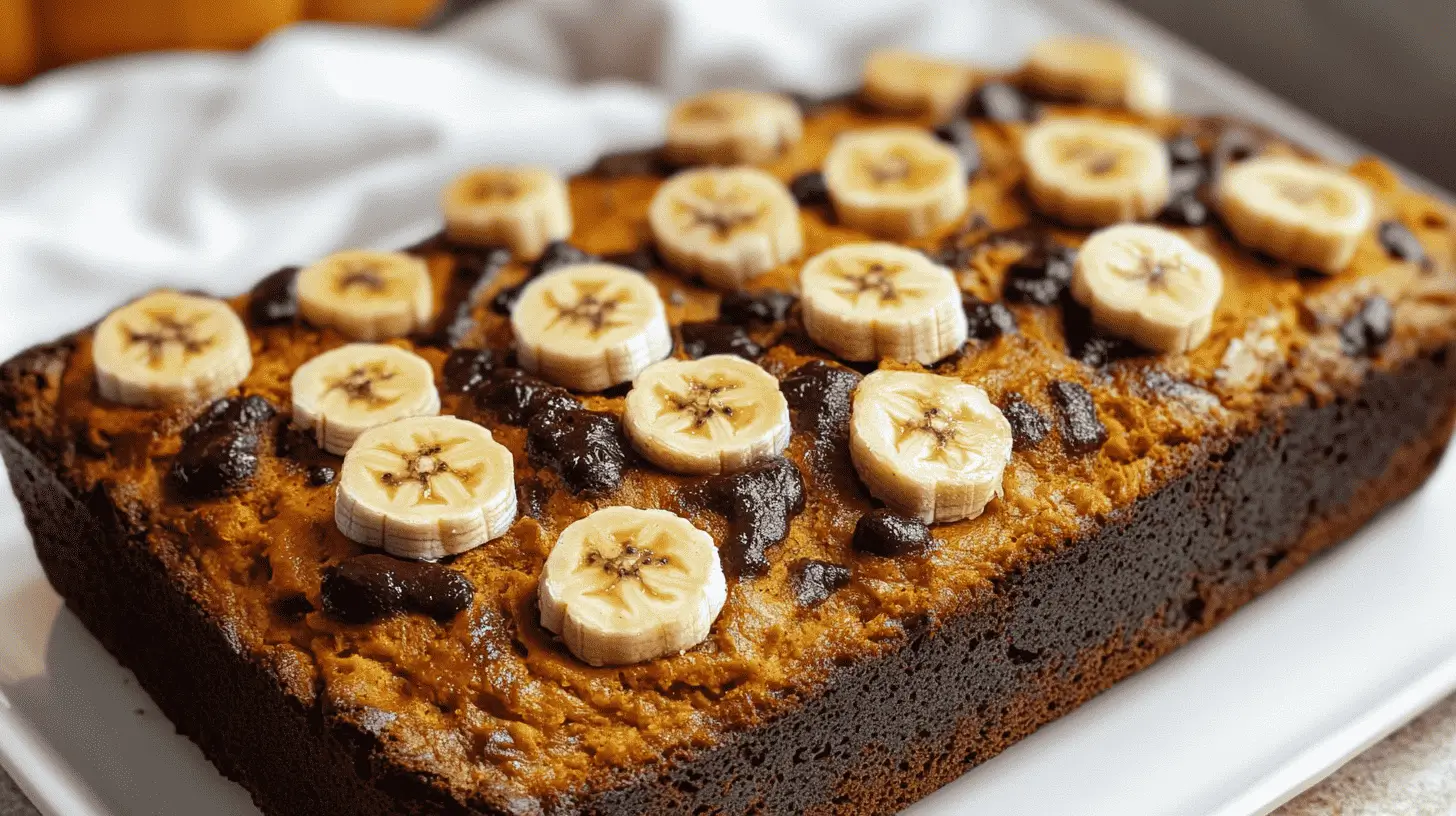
759	503
1185	210
516	397
1234	145
820	394
1400	243
642	259
292	607
814	581
810	189
466	369
321	475
559	253
1184	150
702	339
1001	102
1369	328
1086	343
1082	431
475	271
506	299
273	301
1042	275
584	447
1028	425
630	163
887	533
987	321
766	306
367	588
959	134
219	452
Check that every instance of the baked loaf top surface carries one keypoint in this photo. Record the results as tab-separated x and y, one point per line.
492	705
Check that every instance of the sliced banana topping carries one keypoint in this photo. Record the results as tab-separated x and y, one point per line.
881	301
590	326
426	487
895	182
1149	285
625	586
1295	210
367	295
905	82
1093	174
170	349
928	446
714	415
732	127
345	392
1097	72
726	224
520	208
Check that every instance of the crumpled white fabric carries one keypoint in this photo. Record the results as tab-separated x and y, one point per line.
206	171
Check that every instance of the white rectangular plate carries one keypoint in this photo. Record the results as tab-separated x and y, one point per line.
1348	649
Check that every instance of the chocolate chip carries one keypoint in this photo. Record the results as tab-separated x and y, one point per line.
475	271
292	607
810	189
1082	431
959	134
465	369
702	339
758	503
515	397
219	452
987	321
814	581
272	300
1185	210
642	259
506	299
1184	150
1028	425
558	254
887	533
820	394
1400	243
1001	102
1087	343
630	163
321	475
1234	145
1369	328
1042	274
584	447
764	306
367	588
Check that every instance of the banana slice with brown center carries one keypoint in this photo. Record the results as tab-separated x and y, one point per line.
714	415
1097	72
1297	211
882	301
590	326
732	127
726	224
905	82
521	208
1149	285
344	392
367	295
170	349
1091	174
895	182
625	585
928	446
426	487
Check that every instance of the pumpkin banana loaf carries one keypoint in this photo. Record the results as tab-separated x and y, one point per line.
794	467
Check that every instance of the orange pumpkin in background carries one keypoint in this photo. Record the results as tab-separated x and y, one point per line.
40	34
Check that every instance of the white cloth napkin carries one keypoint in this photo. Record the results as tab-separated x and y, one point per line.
207	171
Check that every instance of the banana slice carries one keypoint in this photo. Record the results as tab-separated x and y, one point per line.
426	487
521	208
881	301
905	82
929	446
367	295
717	414
590	326
1093	174
345	392
732	127
625	586
1098	72
1296	211
895	182
1149	285
726	224
170	349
